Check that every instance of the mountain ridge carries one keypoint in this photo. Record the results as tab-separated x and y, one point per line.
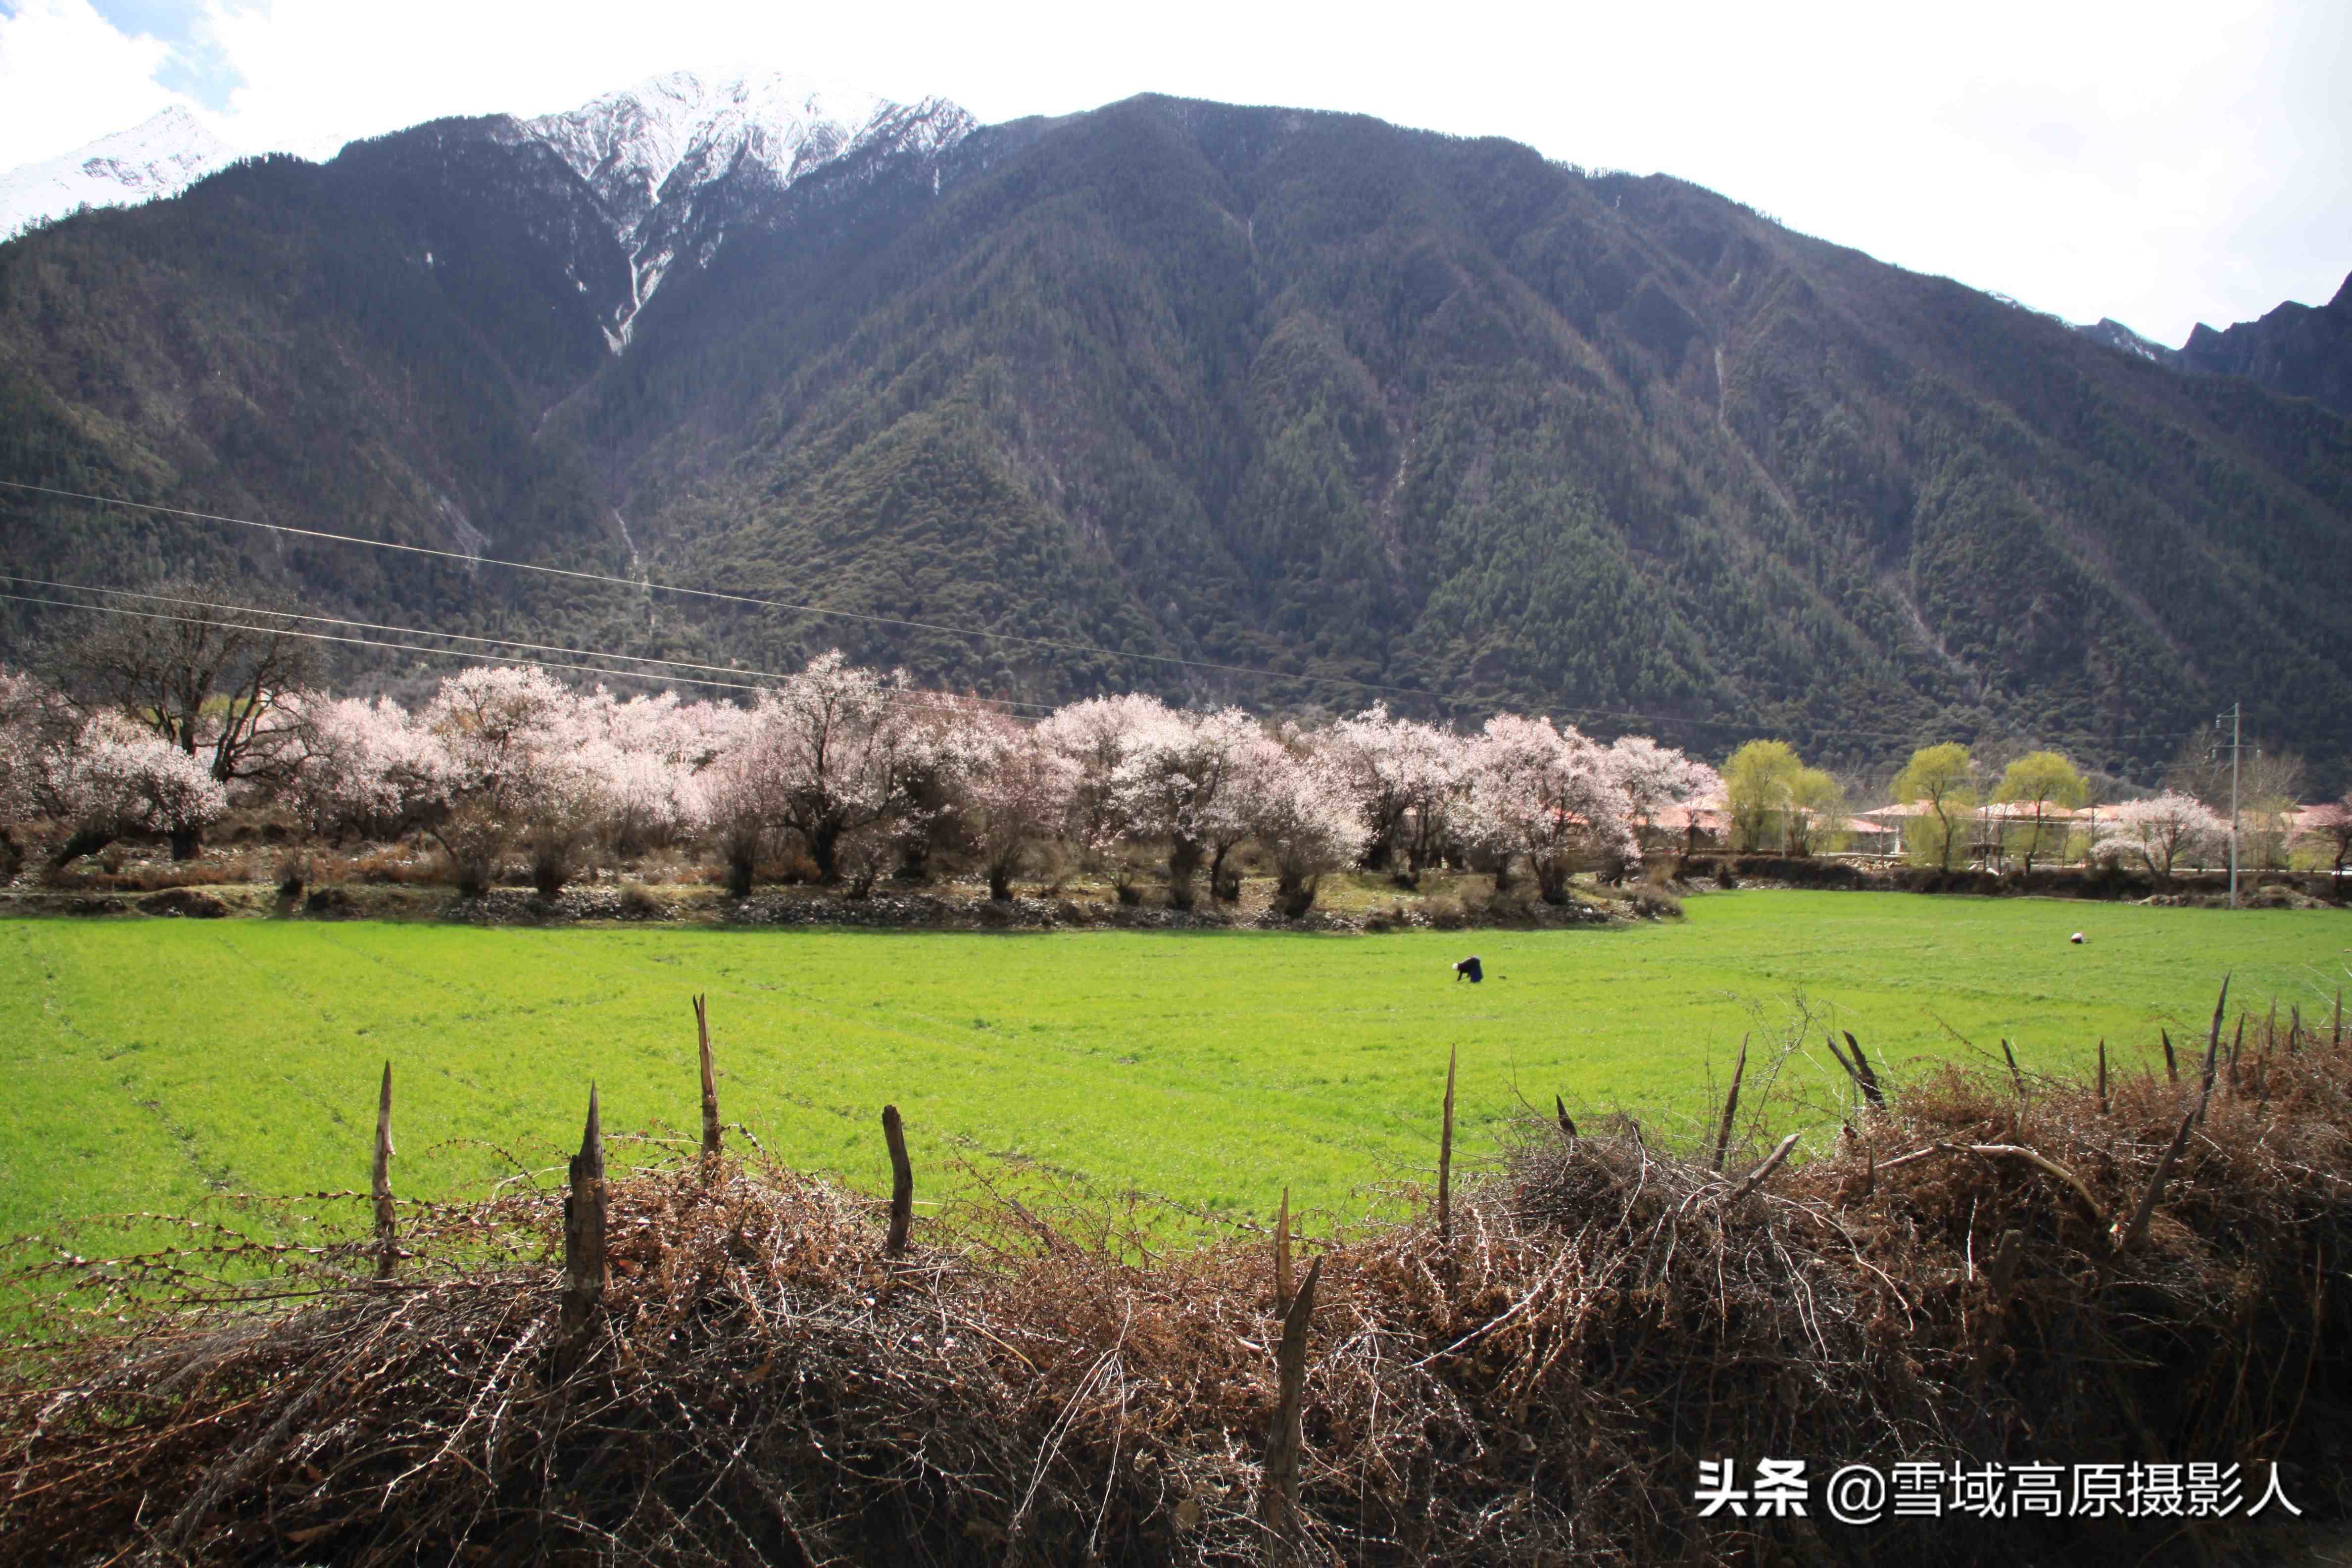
1254	387
2297	350
160	156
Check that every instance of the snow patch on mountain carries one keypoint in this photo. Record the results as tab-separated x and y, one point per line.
160	156
2122	339
657	152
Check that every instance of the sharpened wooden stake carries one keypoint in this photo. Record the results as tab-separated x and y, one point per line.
2127	1231
709	1082
387	1231
584	1274
902	1182
2016	1079
1282	1280
2212	1050
1867	1075
1566	1125
2335	1035
1867	1085
1843	1060
1445	1154
1277	1503
2171	1062
2102	1075
1730	1107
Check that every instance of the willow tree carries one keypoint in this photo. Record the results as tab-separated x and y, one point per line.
1943	779
1757	785
2042	780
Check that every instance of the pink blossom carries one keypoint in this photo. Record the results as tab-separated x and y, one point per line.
2161	830
1549	794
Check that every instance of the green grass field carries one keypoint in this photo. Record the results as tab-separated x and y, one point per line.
150	1063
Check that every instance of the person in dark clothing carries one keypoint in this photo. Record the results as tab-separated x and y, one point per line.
1469	968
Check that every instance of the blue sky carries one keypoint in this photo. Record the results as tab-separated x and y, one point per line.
2164	163
198	67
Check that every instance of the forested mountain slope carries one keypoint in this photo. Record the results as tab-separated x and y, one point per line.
1236	386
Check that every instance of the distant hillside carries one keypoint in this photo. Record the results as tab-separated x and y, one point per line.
1234	386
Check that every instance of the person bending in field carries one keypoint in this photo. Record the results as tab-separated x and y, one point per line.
1469	969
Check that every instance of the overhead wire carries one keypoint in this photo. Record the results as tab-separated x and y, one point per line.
644	584
721	595
466	636
919	697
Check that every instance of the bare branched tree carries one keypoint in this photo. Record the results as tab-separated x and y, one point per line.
211	680
217	682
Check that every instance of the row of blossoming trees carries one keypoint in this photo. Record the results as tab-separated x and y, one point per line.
851	771
856	772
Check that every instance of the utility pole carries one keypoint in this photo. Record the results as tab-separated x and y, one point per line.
2233	718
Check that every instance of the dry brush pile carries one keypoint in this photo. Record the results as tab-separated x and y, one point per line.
1985	1266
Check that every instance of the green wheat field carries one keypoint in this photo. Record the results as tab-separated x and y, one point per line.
151	1065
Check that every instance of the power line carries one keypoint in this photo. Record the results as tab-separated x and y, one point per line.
755	602
920	697
458	636
1662	720
364	642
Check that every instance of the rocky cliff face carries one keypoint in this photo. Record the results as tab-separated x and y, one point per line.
2295	349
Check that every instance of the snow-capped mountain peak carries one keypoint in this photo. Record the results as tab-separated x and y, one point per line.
626	144
651	151
160	156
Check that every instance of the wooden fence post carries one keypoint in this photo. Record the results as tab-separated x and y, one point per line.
1277	1504
1567	1126
584	1276
387	1232
2171	1062
2103	1074
1282	1280
902	1182
1870	1089
2016	1079
1865	1077
2129	1230
2212	1050
709	1082
1445	1154
1730	1107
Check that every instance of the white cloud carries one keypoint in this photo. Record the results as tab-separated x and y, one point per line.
2161	164
68	78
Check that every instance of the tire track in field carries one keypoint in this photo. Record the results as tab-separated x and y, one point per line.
179	1137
